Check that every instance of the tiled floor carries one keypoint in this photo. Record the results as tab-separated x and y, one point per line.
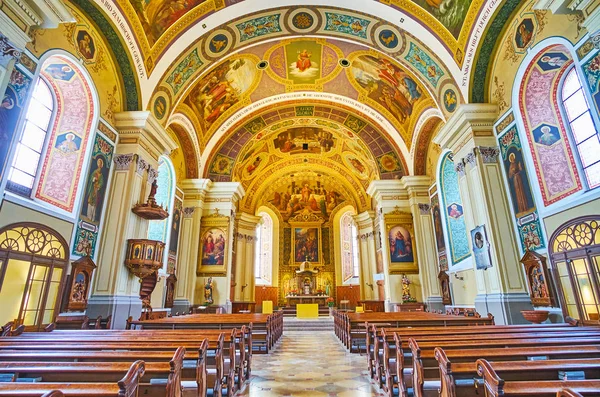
309	364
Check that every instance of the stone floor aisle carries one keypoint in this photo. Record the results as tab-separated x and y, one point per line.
309	364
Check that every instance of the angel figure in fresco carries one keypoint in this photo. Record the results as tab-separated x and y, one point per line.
94	189
303	63
515	171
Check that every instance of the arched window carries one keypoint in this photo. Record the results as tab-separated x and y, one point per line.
58	125
263	268
159	230
582	126
29	149
33	262
349	237
575	255
452	211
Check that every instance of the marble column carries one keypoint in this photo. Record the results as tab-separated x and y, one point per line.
194	191
501	289
418	193
141	141
221	198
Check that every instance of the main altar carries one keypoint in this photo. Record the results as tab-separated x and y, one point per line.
308	287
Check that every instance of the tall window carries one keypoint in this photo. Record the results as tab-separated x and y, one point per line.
582	127
158	230
263	262
29	149
349	236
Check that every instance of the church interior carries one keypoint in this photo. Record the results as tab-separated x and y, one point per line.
228	182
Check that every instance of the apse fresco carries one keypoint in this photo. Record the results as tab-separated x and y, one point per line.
221	89
304	61
304	140
156	16
302	195
387	84
451	13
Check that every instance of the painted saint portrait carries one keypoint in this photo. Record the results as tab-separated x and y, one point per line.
401	245
455	210
306	195
546	135
221	89
552	61
306	241
95	189
293	141
524	33
438	228
387	84
68	143
60	71
213	247
304	59
520	190
175	226
451	13
85	45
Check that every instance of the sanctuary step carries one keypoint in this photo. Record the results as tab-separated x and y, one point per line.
324	324
290	311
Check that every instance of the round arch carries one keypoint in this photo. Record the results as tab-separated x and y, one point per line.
276	242
347	210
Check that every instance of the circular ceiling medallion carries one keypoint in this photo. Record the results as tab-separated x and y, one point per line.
388	38
218	43
450	100
160	107
302	20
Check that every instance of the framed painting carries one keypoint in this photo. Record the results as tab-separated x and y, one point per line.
481	248
306	245
401	244
214	245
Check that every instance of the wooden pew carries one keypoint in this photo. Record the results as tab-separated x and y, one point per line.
568	393
495	386
126	387
53	393
457	378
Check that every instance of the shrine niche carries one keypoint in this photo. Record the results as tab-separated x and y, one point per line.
541	287
170	283
214	244
81	275
445	288
400	233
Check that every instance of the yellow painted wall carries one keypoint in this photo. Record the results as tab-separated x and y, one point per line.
416	290
220	291
464	291
12	290
13	213
553	222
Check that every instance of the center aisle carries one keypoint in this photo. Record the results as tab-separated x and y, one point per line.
309	364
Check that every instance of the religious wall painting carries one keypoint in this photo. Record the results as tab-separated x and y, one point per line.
401	244
306	195
591	69
218	43
304	140
96	184
450	100
481	248
552	61
524	33
68	143
222	165
437	224
13	103
453	212
60	71
174	239
304	61
386	84
355	164
254	165
222	89
388	38
85	44
213	247
156	16
389	162
424	64
552	155
346	24
520	191
186	68
451	13
214	244
307	245
258	27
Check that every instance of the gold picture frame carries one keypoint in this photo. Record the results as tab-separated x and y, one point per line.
307	244
400	234
214	246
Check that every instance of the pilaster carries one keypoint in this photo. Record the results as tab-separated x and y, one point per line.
366	242
135	167
469	135
246	242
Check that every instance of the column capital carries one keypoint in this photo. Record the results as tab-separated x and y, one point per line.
141	133
194	191
470	126
364	220
247	223
388	193
233	191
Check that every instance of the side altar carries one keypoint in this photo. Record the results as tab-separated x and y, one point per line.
308	287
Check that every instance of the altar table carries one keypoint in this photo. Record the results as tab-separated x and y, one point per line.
307	310
297	299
